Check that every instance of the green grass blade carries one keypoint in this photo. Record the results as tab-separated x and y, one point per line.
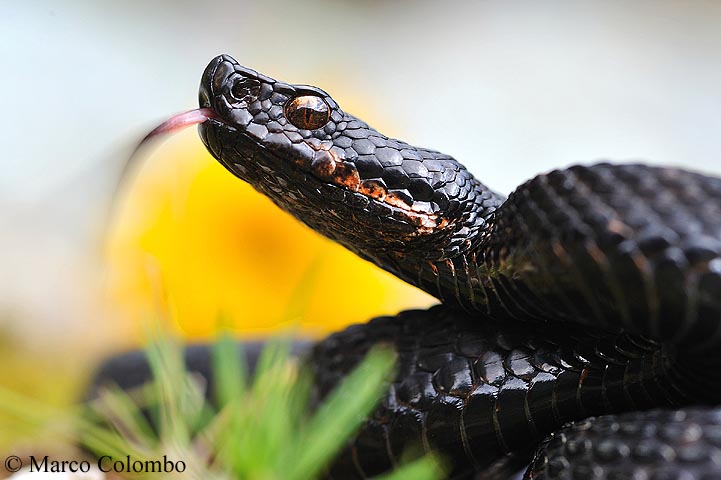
230	370
117	407
260	432
341	414
182	408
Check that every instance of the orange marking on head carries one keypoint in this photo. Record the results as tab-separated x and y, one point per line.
396	201
346	175
426	220
323	164
329	166
374	189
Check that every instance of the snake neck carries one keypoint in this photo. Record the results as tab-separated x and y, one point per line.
615	247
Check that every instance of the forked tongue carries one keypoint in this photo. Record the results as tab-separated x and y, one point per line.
171	125
175	123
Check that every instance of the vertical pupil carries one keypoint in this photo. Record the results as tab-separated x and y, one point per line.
308	112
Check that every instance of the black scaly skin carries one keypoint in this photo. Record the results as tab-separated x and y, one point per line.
478	390
648	445
605	248
609	246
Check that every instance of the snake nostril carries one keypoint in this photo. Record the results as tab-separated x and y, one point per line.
244	89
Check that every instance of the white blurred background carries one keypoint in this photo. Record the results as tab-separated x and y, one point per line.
509	88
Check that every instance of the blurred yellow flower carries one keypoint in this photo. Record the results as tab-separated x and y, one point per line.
195	240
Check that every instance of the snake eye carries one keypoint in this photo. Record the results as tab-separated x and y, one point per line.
307	112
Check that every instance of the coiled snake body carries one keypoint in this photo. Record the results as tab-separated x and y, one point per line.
588	291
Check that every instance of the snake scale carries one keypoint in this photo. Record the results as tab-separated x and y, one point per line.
582	313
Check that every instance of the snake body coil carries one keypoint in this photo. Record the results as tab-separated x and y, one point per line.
589	291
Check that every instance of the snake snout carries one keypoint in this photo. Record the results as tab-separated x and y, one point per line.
228	89
206	92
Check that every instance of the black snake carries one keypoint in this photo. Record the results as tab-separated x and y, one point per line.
589	291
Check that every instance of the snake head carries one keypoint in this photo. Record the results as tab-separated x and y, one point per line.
375	195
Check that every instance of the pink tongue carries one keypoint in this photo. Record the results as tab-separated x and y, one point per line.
171	125
179	121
